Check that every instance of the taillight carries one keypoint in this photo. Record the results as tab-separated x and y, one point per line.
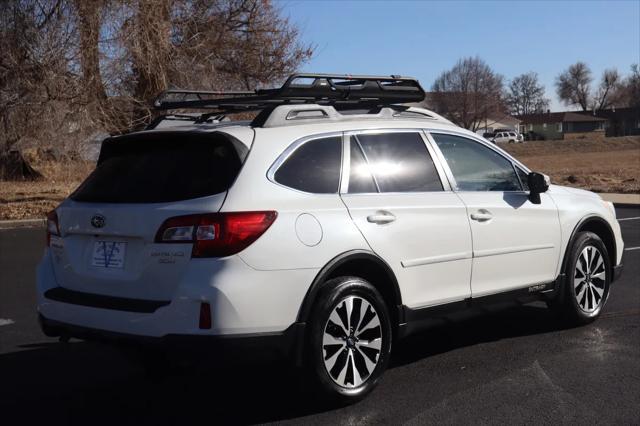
216	234
52	226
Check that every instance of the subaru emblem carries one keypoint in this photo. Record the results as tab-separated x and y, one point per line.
98	221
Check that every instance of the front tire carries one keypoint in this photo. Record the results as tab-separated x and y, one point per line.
587	279
350	339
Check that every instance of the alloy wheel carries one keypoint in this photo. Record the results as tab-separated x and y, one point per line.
352	342
589	279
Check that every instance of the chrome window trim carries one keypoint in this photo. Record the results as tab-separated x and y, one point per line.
454	185
366	159
442	175
448	174
292	148
446	187
346	161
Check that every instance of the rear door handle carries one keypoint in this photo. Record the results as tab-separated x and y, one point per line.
482	215
381	218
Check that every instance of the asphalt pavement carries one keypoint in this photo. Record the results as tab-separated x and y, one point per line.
513	366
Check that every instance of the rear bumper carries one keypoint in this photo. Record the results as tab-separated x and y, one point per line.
243	301
279	345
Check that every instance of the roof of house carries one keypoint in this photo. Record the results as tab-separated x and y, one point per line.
558	117
501	118
615	112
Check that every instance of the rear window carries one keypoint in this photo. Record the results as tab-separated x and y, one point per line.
162	167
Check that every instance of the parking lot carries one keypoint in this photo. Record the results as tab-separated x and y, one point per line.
513	366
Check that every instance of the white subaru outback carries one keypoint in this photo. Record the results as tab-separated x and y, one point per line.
333	224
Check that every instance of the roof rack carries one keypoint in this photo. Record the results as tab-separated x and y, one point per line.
340	90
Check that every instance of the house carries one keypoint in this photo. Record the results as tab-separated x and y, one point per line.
620	121
561	125
496	122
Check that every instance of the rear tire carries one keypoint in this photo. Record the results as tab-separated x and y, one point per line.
587	279
347	354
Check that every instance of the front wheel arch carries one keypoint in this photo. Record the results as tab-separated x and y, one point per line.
600	227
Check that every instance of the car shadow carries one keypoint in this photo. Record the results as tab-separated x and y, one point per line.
482	326
85	382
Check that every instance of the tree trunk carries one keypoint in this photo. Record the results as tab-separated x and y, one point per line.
89	29
152	56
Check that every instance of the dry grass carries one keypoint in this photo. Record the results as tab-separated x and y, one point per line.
32	200
601	165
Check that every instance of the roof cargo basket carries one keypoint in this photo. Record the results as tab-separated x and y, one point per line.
340	91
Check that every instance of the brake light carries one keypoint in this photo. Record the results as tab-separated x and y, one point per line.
216	234
52	226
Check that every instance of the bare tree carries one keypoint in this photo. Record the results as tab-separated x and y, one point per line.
468	93
89	23
608	92
37	83
70	68
629	91
573	85
525	95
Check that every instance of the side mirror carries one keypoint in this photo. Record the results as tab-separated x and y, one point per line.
538	183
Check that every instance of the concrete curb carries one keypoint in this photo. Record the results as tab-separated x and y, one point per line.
622	199
626	200
22	223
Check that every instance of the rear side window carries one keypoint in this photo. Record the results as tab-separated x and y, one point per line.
399	162
313	167
162	167
476	167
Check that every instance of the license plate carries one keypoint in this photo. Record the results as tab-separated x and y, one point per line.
108	254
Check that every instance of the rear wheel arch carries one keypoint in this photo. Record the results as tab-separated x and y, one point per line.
362	264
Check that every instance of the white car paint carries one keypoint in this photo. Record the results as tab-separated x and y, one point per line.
437	252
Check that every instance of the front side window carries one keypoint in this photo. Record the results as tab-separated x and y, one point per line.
524	178
476	167
398	162
313	167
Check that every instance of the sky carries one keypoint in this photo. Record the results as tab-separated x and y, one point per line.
423	38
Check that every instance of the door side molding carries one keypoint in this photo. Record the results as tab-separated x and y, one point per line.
418	319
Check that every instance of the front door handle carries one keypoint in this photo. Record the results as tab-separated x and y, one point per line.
381	218
482	215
